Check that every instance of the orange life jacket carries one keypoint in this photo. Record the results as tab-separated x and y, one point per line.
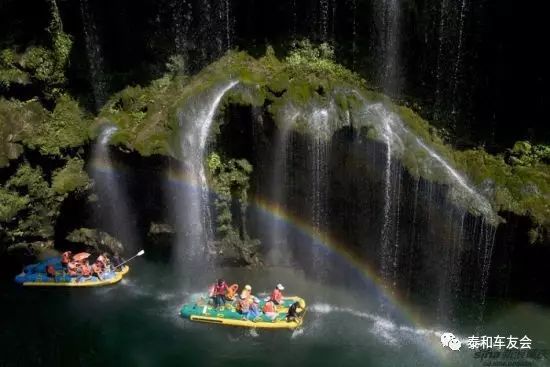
231	291
269	307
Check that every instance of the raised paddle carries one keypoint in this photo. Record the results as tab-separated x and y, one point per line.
133	257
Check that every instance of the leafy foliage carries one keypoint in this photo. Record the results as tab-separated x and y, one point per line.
11	203
70	178
230	181
65	127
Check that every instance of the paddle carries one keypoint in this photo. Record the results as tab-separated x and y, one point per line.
133	257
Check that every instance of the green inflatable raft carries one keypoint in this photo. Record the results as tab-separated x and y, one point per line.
203	311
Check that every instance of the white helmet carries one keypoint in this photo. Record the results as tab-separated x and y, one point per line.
247	287
280	287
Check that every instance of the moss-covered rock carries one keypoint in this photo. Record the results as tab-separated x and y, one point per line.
230	181
97	240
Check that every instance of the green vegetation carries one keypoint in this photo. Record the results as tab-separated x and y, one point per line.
230	182
11	204
64	128
70	178
42	65
148	121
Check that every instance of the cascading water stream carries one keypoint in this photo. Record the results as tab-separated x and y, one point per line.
457	66
389	43
323	19
181	18
319	152
195	121
95	55
279	253
114	214
399	141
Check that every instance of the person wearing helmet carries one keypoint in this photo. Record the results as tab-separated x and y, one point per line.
243	304
247	291
218	293
295	311
277	294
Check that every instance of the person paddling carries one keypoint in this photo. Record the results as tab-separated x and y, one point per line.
277	294
295	311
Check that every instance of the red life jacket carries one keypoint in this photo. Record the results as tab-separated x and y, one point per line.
220	289
269	307
50	270
277	295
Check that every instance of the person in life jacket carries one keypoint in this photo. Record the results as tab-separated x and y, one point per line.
231	292
277	294
254	308
85	269
72	269
218	293
50	271
243	305
66	258
269	310
247	291
104	260
295	311
97	270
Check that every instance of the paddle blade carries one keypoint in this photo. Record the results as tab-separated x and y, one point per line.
141	253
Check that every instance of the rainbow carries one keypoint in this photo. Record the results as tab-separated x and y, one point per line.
334	246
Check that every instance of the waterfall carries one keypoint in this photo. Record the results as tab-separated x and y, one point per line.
389	43
279	253
181	18
323	19
353	32
294	19
95	55
400	141
227	16
452	22
439	72
319	153
392	183
457	66
113	214
195	121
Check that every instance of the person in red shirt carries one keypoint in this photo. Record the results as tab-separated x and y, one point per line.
218	293
277	295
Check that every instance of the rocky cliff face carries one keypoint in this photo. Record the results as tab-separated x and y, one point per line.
354	165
